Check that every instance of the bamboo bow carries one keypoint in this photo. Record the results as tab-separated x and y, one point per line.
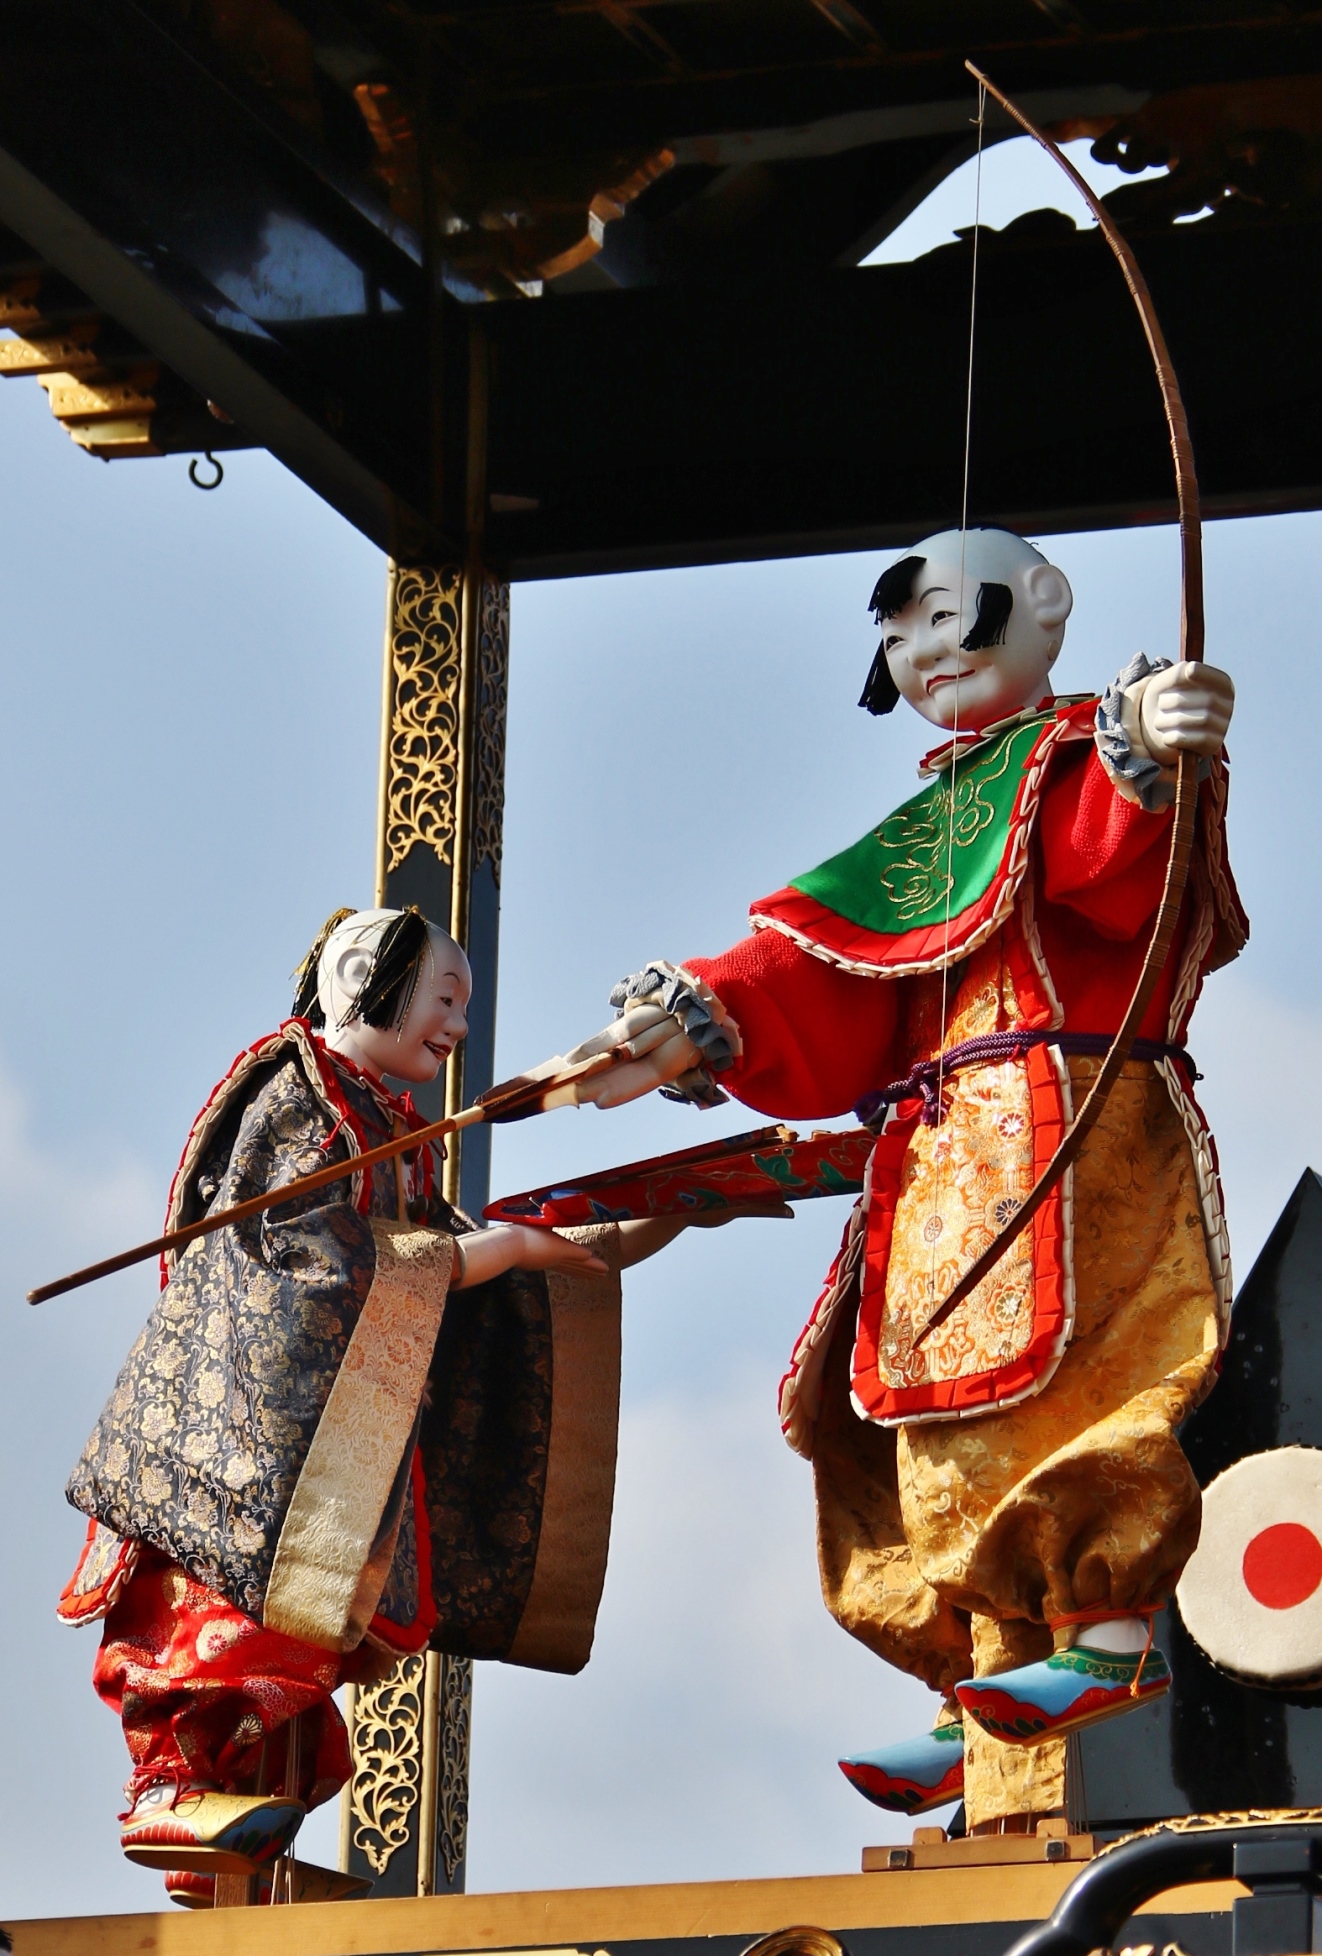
1186	786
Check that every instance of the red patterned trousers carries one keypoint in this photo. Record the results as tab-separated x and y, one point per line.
202	1689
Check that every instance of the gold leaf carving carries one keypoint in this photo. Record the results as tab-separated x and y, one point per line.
422	751
1203	1823
387	1761
493	659
453	1738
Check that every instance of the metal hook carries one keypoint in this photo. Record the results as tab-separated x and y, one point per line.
196	479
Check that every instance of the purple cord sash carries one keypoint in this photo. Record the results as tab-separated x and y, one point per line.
992	1049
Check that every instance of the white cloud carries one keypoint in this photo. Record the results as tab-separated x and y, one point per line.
701	1740
48	1203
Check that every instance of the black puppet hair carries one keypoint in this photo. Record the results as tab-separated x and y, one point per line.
890	594
307	1005
894	588
880	693
386	993
988	628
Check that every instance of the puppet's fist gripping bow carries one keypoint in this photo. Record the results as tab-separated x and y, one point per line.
1153	713
1184	708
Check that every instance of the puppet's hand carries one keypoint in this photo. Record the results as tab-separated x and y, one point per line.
1185	709
659	1050
692	1040
663	1052
490	1253
672	1058
645	1235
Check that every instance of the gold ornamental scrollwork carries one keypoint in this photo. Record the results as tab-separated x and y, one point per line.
493	664
422	742
1197	1823
387	1761
452	1794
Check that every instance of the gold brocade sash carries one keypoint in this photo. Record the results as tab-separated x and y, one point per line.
329	1567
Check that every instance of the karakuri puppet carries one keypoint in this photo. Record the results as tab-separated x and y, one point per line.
354	1426
1002	1505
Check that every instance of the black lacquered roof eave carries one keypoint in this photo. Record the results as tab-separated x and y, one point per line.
706	419
184	217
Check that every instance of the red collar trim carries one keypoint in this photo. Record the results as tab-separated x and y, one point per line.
968	738
336	1068
390	1101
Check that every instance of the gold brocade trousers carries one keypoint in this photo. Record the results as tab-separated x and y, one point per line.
947	1547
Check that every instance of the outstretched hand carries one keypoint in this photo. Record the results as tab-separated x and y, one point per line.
645	1235
664	1051
490	1253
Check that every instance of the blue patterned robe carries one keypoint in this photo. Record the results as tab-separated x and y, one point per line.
224	1437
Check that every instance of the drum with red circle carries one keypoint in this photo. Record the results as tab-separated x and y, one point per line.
1251	1595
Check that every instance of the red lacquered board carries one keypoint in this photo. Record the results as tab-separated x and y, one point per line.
768	1164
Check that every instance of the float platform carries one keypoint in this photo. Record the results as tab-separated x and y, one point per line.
956	1911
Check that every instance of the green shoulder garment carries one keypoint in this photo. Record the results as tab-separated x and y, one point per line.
920	865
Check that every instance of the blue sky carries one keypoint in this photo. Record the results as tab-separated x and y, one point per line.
191	688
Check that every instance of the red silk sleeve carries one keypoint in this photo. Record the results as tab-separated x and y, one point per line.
815	1037
1102	856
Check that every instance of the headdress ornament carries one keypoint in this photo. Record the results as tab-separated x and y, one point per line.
306	1003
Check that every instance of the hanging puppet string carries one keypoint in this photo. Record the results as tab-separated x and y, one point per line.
935	1231
1186	779
513	1100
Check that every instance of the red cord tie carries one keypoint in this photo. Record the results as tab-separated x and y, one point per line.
1108	1614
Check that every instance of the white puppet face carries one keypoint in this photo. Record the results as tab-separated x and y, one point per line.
436	1019
926	641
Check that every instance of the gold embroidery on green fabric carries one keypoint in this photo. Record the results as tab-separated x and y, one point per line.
918	882
901	876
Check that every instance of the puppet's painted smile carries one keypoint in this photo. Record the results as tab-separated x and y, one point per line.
442	1053
946	679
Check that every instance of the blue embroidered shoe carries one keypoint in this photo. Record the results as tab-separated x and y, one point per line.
913	1776
1063	1692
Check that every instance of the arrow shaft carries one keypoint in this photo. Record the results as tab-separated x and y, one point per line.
501	1103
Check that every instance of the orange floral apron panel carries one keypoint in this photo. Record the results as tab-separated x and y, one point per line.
938	1196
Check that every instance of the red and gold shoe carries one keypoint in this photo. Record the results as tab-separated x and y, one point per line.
191	1890
310	1884
196	1829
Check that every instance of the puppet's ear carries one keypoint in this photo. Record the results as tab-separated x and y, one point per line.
350	972
1050	598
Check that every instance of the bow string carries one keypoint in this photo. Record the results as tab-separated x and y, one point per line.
1186	785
